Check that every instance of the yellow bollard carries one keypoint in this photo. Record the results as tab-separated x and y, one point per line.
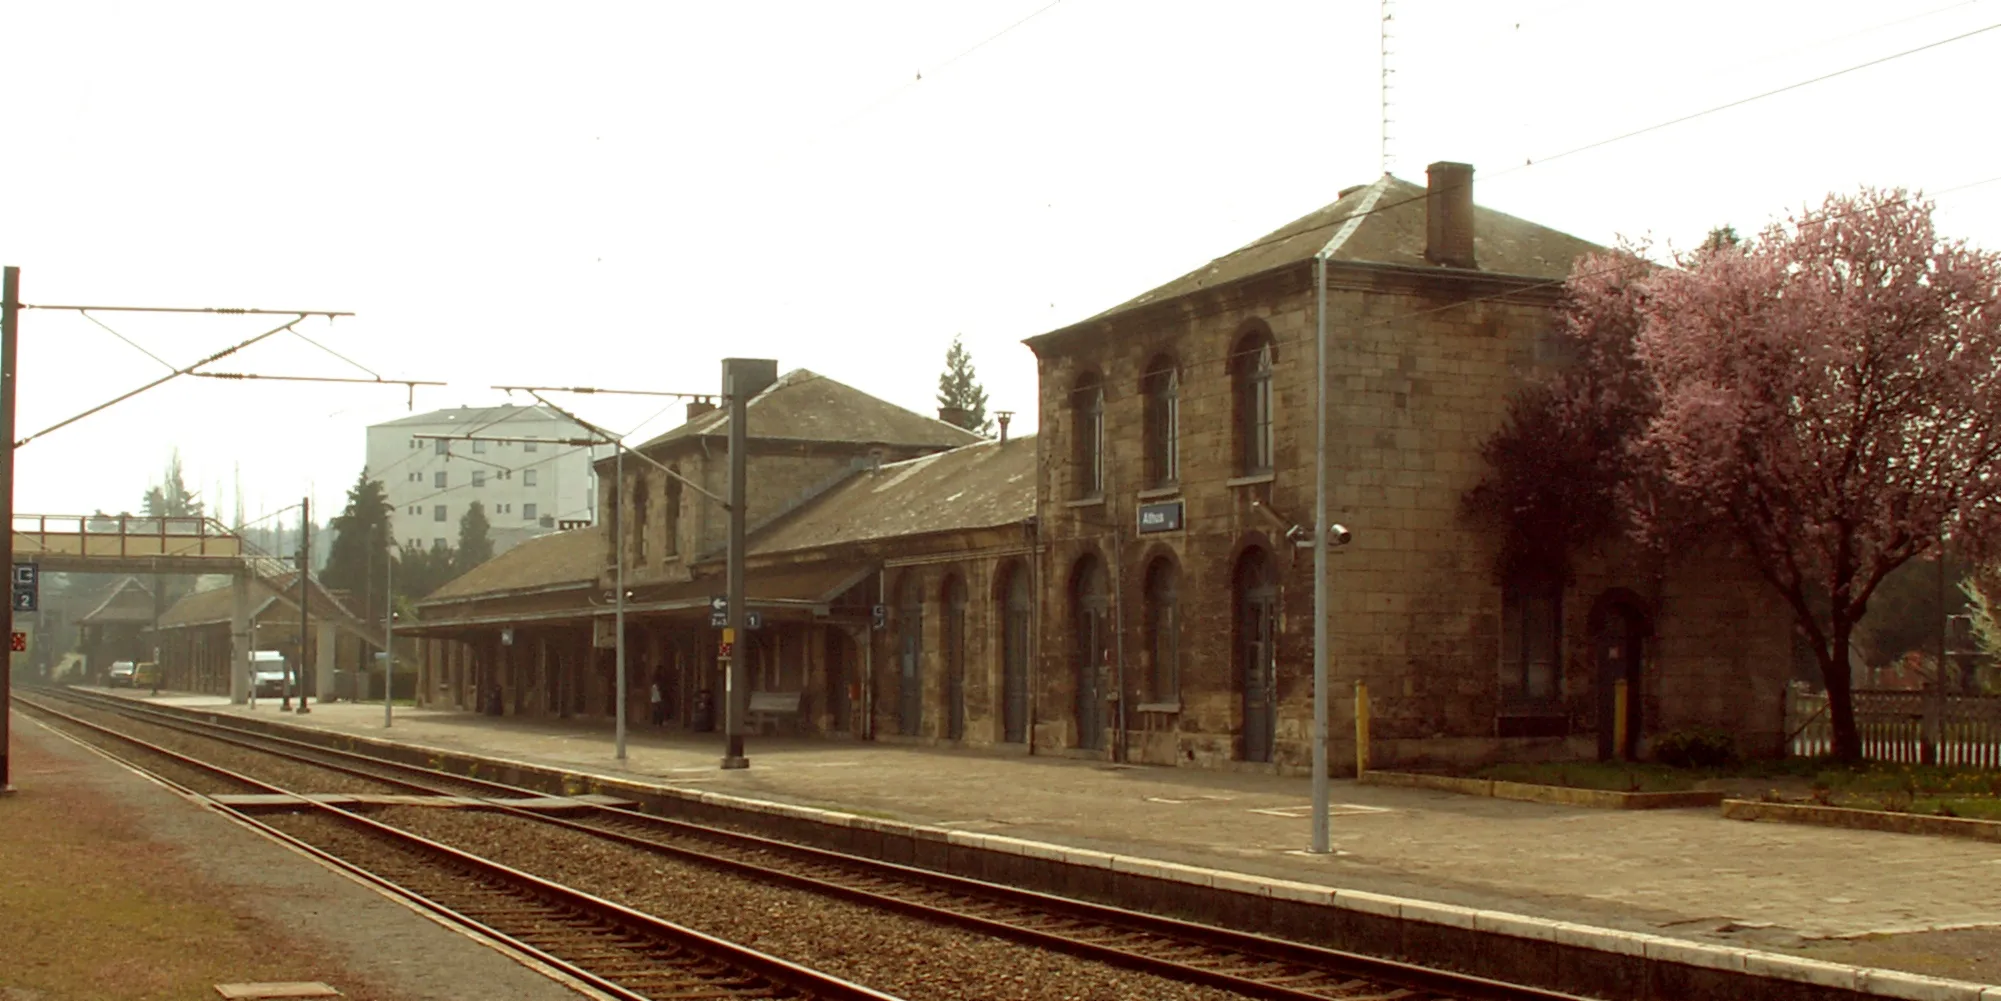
1619	719
1361	727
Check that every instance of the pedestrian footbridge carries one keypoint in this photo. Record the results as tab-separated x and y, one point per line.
138	544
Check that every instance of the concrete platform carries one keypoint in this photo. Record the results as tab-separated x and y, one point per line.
1676	882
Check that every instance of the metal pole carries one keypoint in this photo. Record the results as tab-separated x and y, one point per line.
388	625
618	582
10	315
1935	745
305	581
734	675
1320	638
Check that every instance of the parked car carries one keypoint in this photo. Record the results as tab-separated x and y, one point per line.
146	675
121	674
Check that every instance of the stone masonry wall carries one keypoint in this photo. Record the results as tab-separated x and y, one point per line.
1419	380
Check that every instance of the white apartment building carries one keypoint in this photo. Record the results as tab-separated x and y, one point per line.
527	488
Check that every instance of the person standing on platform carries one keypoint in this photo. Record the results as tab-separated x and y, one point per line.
659	707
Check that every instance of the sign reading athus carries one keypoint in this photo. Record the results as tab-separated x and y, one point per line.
1162	517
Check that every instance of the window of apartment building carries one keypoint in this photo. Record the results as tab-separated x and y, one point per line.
1161	387
529	446
1251	367
1087	422
439	543
438	512
440	446
438	479
478	446
1163	632
414	444
1531	635
479	477
527	477
527	512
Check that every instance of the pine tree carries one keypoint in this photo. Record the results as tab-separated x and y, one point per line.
959	387
360	548
475	540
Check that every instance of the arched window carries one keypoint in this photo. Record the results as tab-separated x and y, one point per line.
1163	632
1251	364
955	656
1256	601
1161	387
910	659
1087	422
1090	618
672	515
638	527
1017	606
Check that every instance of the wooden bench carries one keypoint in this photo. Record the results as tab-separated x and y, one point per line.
769	708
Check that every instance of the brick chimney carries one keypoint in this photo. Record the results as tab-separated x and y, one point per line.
1448	214
955	416
697	408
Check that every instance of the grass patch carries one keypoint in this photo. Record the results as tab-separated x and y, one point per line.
1613	776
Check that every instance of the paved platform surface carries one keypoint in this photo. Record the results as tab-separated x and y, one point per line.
1686	873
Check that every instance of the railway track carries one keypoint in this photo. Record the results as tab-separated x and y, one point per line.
615	950
1243	963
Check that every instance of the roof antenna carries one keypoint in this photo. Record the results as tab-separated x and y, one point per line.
1384	46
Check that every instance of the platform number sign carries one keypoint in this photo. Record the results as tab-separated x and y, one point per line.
27	587
878	617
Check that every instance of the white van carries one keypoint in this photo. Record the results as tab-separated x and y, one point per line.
267	674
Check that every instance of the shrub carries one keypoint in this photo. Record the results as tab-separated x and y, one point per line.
1695	749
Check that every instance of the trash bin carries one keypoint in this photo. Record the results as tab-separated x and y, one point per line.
704	717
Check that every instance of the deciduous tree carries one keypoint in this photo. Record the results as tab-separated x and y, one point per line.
1829	396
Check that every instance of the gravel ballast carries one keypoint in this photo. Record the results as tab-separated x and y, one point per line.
889	952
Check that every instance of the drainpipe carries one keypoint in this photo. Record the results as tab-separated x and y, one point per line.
1320	630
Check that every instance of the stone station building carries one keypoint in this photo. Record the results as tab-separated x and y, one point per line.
1133	582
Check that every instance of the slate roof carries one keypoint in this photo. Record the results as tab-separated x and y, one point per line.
215	604
126	600
1389	217
807	406
546	560
977	486
475	416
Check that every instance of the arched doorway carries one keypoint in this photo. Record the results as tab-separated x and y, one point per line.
839	675
1257	652
1017	602
955	657
910	659
1619	632
1090	605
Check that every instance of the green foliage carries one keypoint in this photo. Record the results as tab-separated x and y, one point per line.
421	571
360	551
171	498
959	387
475	538
1905	613
1704	749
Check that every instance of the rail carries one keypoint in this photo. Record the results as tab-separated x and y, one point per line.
1249	964
643	956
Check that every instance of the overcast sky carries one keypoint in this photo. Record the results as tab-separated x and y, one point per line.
620	194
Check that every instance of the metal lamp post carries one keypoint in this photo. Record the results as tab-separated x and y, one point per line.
388	627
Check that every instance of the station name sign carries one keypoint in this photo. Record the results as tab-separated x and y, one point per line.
1162	517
